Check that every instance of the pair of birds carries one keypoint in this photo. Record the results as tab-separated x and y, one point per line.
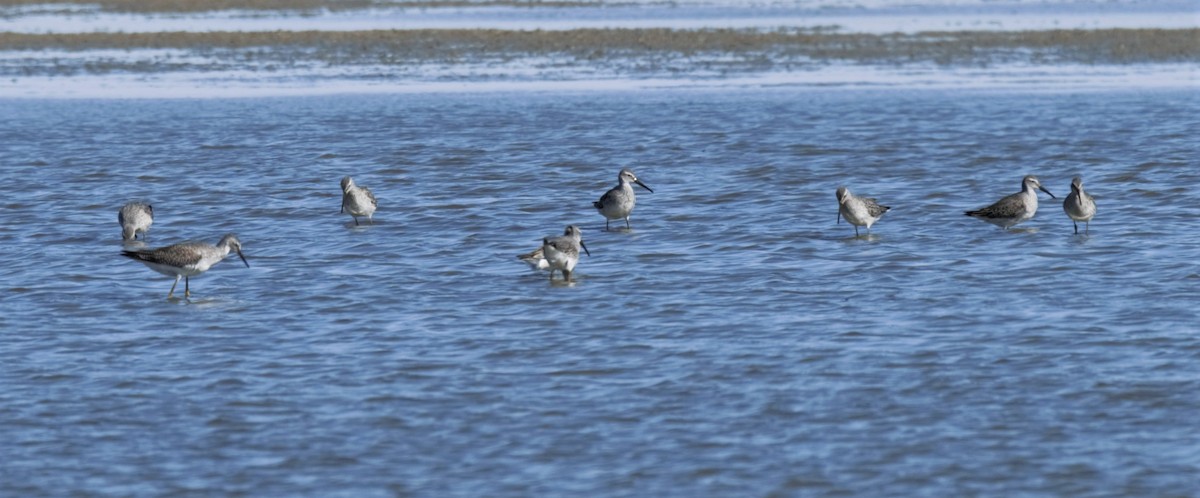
183	260
136	217
1006	212
562	253
1021	206
188	259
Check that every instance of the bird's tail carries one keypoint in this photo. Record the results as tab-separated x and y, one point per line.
134	255
531	256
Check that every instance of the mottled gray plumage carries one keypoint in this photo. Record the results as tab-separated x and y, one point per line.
562	253
873	207
619	201
1079	205
1015	208
135	218
858	211
187	259
359	201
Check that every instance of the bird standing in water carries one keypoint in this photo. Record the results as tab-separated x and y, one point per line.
562	253
135	218
618	202
187	259
1015	208
858	211
1079	206
359	201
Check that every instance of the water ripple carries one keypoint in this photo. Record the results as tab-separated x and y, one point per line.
736	341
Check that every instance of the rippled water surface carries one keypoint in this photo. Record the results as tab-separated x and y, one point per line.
736	342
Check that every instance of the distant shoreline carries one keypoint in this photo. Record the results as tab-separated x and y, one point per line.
176	6
258	63
740	49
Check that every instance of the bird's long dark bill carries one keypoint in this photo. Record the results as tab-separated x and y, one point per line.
589	253
639	182
243	259
839	220
1047	191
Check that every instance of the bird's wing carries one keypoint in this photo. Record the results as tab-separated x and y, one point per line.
560	244
179	255
873	208
370	196
605	199
1006	207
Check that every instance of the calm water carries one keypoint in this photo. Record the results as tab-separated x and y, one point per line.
736	342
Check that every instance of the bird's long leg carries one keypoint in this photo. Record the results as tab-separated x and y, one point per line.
1076	227
566	275
856	230
355	220
606	224
627	227
187	290
172	291
1087	225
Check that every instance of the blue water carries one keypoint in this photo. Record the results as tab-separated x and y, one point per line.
736	342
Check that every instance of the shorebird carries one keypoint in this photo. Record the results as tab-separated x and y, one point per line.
858	211
358	200
1079	205
618	202
536	259
558	253
1015	208
135	217
187	259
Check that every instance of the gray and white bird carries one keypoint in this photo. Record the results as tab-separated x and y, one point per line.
618	202
536	259
1079	205
359	201
1015	208
858	211
187	259
559	253
135	218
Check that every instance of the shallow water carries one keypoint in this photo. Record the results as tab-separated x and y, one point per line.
736	342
